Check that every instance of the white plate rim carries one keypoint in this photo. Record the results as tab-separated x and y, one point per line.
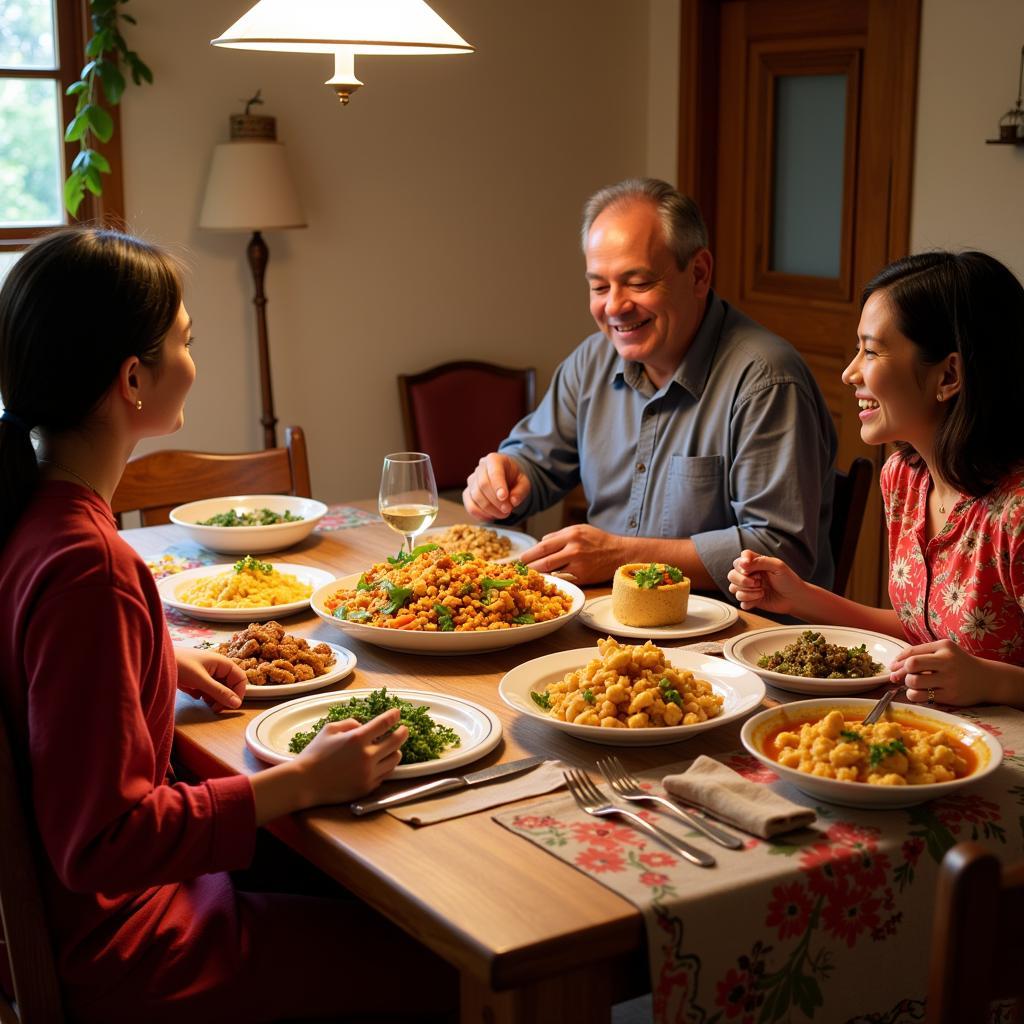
461	756
874	796
810	686
167	585
524	540
588	618
516	684
447	643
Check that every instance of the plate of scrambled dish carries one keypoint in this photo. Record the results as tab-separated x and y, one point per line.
432	602
445	732
249	590
249	523
912	754
631	695
818	660
280	664
491	543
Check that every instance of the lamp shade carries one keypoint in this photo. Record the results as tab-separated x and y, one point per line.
250	188
356	26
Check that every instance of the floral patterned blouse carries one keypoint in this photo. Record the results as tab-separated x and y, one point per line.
967	583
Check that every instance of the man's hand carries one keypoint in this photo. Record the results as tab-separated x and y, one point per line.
590	554
210	676
496	487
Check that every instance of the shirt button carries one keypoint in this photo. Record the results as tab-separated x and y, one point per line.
632	524
641	468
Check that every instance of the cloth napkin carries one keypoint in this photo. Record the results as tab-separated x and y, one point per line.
737	801
545	778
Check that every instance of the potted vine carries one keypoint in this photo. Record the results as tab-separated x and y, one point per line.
105	50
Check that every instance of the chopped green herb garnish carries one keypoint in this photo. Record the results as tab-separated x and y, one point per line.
251	564
490	585
397	597
362	584
878	752
520	568
427	740
542	700
445	622
588	696
358	615
461	557
526	619
655	576
849	734
259	517
405	557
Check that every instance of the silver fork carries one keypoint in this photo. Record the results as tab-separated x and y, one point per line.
626	786
592	801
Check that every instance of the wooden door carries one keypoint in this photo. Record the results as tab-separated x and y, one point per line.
796	140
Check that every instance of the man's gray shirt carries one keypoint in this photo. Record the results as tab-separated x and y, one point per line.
735	451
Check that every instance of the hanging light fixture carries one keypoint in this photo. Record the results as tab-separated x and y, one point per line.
344	28
1011	124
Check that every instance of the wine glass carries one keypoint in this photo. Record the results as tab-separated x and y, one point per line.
408	494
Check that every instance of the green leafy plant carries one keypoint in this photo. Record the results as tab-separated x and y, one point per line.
105	50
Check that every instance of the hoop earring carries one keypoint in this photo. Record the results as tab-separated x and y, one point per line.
138	404
939	398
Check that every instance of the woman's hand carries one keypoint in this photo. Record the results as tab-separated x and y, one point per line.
346	760
589	554
943	673
211	677
759	581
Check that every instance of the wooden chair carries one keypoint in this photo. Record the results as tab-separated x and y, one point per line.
155	483
458	411
977	942
37	998
848	504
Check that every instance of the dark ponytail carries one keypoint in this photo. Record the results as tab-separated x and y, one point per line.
75	305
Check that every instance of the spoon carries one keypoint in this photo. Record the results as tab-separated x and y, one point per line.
884	701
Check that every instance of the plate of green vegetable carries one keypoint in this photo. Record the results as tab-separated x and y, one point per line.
249	523
444	731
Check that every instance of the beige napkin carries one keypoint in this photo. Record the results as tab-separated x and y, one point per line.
750	806
543	779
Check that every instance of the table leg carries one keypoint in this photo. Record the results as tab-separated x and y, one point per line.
576	997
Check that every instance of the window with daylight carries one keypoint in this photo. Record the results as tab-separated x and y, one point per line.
41	53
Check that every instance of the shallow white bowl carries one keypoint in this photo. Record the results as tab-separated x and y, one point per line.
746	648
249	540
860	794
444	643
742	690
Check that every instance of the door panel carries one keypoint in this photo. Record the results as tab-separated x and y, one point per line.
774	179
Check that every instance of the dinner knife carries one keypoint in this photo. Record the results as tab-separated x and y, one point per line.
436	786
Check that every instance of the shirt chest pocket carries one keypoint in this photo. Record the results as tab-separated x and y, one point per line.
696	498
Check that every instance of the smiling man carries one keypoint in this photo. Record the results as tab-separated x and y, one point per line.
696	433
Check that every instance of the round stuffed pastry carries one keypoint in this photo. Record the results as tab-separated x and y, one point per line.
649	594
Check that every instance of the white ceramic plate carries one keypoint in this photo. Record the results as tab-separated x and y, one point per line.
170	586
742	690
520	541
479	730
703	615
344	663
444	643
860	794
747	648
248	540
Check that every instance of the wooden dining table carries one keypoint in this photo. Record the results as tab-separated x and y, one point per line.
533	939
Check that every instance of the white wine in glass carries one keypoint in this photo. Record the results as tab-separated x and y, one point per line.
408	494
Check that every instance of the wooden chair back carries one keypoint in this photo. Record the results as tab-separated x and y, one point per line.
37	997
977	951
458	411
153	484
848	504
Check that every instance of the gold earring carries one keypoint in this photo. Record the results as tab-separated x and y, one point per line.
938	397
138	404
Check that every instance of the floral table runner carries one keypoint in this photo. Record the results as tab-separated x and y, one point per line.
831	924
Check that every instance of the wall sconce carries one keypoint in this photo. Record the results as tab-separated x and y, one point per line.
344	28
1011	124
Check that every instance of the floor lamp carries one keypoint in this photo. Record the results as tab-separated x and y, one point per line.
250	188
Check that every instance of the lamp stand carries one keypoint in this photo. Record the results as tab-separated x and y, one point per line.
258	254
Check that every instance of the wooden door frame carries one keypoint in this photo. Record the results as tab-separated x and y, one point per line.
895	28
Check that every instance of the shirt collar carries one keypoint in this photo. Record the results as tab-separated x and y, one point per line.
692	372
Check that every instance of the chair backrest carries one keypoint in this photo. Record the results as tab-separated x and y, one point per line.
848	504
37	998
153	484
458	411
977	942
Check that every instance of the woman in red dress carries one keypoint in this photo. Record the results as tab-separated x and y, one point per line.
146	923
937	373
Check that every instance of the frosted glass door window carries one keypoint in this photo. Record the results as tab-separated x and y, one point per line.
809	158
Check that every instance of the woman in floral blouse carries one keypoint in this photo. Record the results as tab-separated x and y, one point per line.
938	372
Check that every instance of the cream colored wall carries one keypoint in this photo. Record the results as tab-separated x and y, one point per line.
442	203
967	194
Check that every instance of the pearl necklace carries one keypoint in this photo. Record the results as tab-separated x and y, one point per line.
70	472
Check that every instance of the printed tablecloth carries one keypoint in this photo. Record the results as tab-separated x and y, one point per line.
831	924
